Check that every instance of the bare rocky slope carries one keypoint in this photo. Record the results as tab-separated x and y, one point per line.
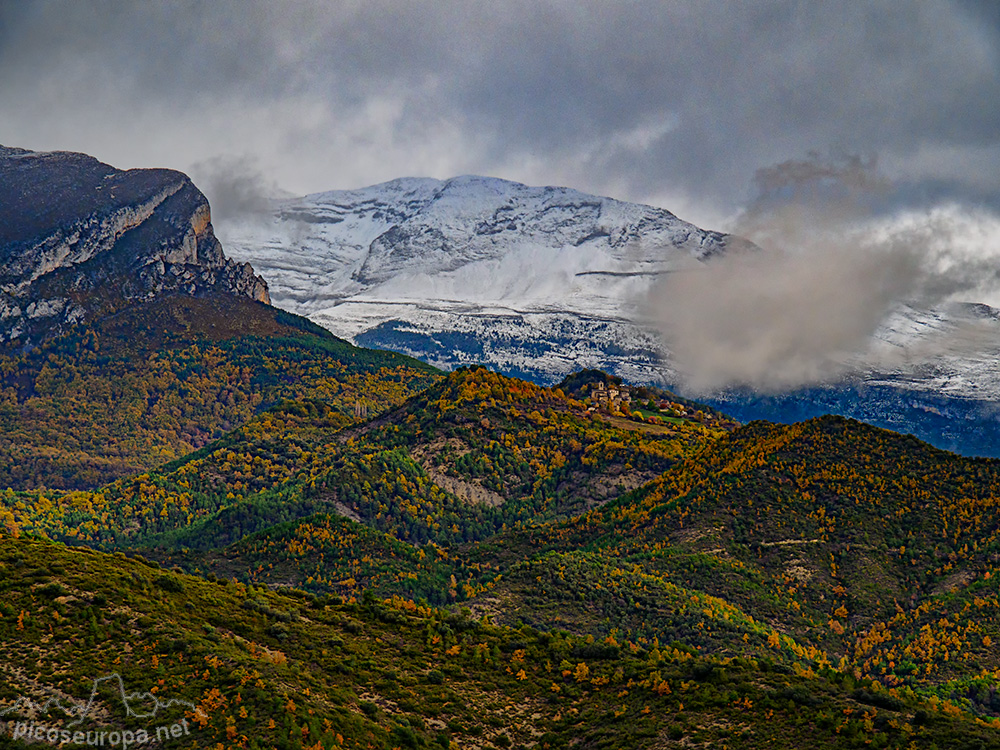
79	238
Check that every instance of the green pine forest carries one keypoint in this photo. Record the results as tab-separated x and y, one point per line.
321	546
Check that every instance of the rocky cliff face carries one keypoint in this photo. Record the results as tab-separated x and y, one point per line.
79	238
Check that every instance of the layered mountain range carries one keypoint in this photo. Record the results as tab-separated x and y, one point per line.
496	562
538	282
79	238
281	540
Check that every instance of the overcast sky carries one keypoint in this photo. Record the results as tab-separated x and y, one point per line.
674	103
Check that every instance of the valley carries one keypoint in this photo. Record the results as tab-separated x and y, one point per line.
845	567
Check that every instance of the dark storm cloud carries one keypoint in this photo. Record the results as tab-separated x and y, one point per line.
643	99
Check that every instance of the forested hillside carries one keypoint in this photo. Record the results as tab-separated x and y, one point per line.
158	380
464	459
251	668
534	565
873	552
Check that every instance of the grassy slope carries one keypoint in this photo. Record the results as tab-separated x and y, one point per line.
289	670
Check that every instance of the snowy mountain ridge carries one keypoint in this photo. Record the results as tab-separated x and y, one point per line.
538	281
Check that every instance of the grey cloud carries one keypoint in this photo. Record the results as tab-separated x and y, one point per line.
539	91
803	307
236	187
771	321
750	83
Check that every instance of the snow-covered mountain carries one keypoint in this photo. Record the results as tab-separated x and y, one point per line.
534	281
540	282
953	350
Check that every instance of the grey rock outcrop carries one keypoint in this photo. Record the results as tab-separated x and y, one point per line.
79	238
